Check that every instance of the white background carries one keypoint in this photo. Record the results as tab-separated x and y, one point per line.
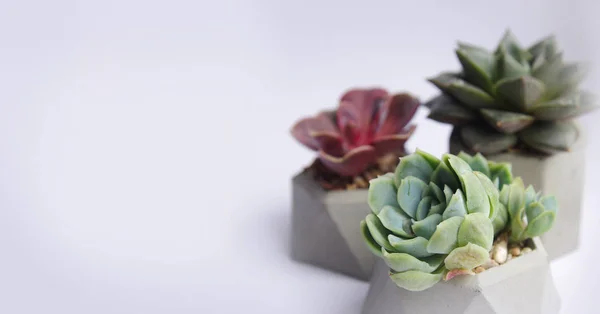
146	153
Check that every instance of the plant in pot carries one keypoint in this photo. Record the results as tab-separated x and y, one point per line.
518	105
360	140
458	235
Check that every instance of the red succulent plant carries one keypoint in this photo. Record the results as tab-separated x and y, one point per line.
368	124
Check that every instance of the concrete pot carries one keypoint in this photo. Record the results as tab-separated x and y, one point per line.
325	228
562	175
523	285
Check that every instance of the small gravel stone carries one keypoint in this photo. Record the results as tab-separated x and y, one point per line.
526	250
509	257
516	251
500	252
478	269
361	183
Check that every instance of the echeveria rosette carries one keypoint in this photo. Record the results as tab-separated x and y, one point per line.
434	219
530	213
511	96
369	123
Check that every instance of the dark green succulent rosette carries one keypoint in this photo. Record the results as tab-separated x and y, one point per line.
435	216
434	219
511	98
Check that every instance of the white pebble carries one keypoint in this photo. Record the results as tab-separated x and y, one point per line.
500	252
526	250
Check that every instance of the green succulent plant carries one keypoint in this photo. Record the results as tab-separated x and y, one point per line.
433	219
434	215
511	98
530	214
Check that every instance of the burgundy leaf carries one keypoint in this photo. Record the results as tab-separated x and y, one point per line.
393	143
360	107
329	142
396	112
353	163
322	123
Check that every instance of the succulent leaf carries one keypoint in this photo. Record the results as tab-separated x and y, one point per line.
506	121
476	229
373	246
410	192
416	247
492	193
445	237
447	110
437	209
550	137
458	165
530	196
509	67
401	262
501	171
435	191
516	199
382	192
396	221
467	257
352	163
426	227
378	232
511	46
522	91
478	65
486	141
456	206
432	160
546	46
303	129
414	280
476	197
549	202
394	143
540	225
567	106
413	165
533	210
500	219
470	95
476	162
400	109
444	176
448	193
443	81
457	272
423	207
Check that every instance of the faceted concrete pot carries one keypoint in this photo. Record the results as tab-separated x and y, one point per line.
325	228
523	285
561	175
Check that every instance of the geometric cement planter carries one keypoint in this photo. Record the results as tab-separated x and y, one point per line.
561	175
326	228
523	285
